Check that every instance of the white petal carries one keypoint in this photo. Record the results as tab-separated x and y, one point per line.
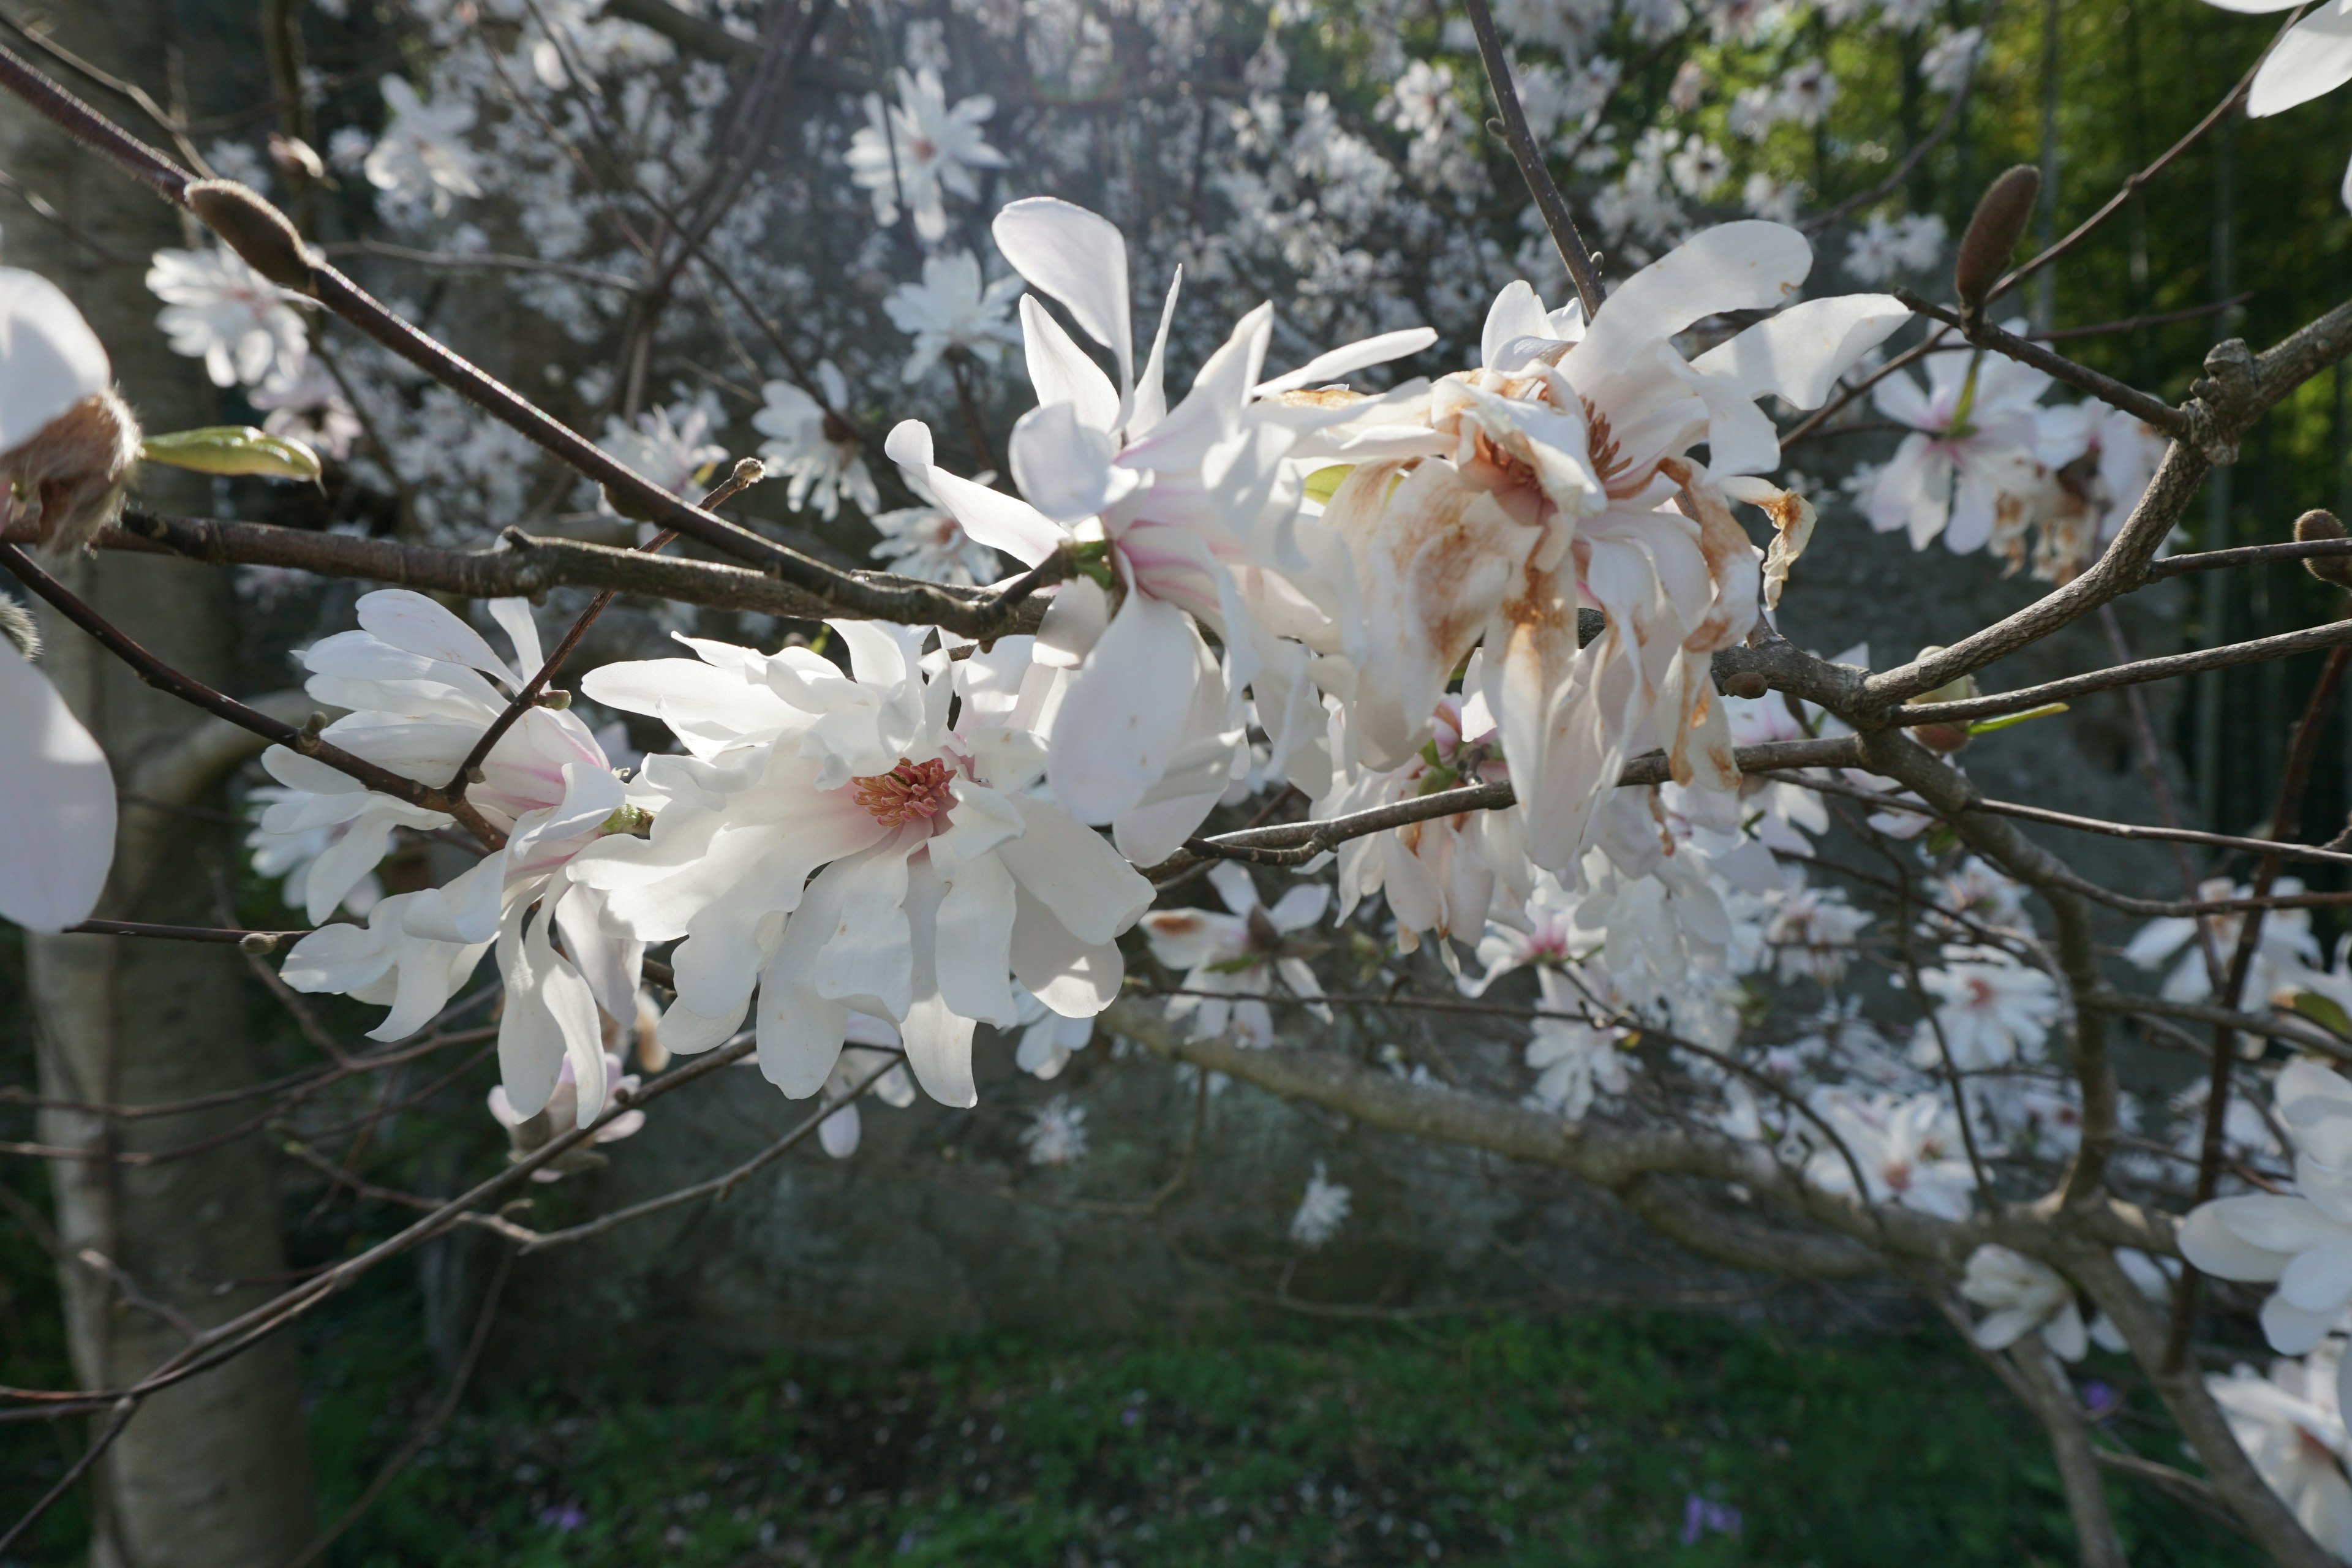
513	617
2215	1249
1516	313
1125	714
1060	371
1801	353
49	359
1063	465
1079	258
1746	265
1069	869
56	801
2315	57
1345	361
415	624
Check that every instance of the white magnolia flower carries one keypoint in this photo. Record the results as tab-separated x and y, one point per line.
422	686
1237	956
811	448
1884	249
1541	932
422	157
1807	90
2314	59
1909	1149
2024	1295
949	309
2303	1242
526	1135
1322	1211
1057	1134
297	856
1975	444
1575	1060
668	446
310	409
218	308
2291	1425
918	148
1148	734
57	834
833	841
1950	60
1811	930
1550	479
1992	1009
2287	955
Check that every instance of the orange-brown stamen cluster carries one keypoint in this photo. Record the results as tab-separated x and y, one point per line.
906	792
1608	463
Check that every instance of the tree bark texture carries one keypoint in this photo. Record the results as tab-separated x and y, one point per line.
213	1473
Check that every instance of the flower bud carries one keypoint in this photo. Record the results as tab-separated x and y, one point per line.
2315	525
1998	224
68	477
256	231
17	625
1746	683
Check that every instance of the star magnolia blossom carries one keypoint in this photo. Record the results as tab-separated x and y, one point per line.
2286	954
1148	730
56	836
2291	1425
2313	59
926	541
835	843
1237	956
422	687
218	308
422	155
2023	1296
818	456
1908	1149
1574	1060
951	309
2303	1242
1992	1010
1549	479
1974	446
671	446
915	151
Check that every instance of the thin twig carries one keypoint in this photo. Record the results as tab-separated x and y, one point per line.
1573	251
2147	409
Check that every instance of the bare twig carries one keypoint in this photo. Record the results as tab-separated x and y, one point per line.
2150	410
1573	251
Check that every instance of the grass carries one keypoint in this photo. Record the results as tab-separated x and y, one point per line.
1622	1440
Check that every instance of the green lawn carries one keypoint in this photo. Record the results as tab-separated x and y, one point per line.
1594	1441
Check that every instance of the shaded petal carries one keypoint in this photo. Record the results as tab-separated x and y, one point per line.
57	830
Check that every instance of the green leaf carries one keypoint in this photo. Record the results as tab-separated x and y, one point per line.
1987	726
2323	1011
233	449
1324	482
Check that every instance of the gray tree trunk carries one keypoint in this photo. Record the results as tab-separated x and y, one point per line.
213	1473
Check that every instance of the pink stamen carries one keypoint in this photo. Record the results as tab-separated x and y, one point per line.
906	792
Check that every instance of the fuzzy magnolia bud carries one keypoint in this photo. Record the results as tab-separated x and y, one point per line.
68	479
2317	525
17	625
1998	224
256	231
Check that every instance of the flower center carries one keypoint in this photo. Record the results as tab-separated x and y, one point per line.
906	792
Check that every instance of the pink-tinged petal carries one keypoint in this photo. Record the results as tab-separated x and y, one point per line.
974	943
1799	354
1080	260
1125	713
1072	872
1061	372
415	624
52	359
57	830
2315	57
2277	1224
1063	465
